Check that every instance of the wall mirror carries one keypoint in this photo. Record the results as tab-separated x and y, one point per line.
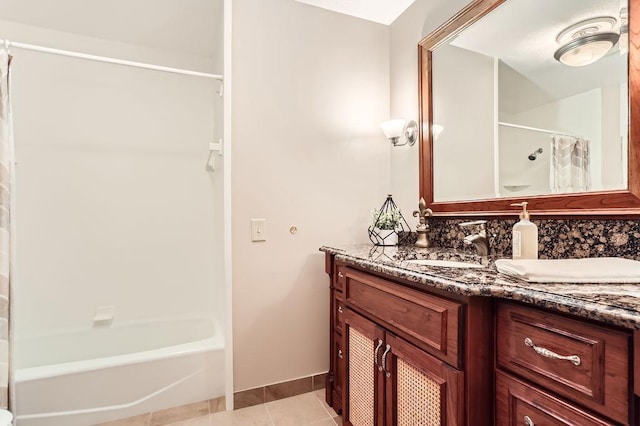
527	100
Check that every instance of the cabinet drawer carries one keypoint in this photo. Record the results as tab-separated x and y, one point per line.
520	404
340	277
338	312
429	322
585	363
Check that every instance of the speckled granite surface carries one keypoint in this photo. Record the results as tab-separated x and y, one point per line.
617	304
557	239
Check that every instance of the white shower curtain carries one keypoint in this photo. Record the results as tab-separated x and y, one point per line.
6	226
569	164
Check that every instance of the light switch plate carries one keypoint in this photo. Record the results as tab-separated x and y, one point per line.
258	230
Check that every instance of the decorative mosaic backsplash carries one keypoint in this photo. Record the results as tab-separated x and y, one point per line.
557	239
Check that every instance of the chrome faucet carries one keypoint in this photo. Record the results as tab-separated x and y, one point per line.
479	239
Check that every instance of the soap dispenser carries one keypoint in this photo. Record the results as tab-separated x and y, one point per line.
525	235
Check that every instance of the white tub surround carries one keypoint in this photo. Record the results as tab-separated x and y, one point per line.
118	372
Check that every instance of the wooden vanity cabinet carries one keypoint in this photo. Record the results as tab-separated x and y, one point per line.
403	354
399	355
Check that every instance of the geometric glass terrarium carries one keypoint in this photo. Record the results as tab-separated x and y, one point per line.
386	223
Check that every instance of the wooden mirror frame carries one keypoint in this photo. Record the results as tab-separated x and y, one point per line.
618	203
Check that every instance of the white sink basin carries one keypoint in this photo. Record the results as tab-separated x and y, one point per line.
444	263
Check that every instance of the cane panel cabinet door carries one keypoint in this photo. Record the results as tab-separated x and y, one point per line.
389	381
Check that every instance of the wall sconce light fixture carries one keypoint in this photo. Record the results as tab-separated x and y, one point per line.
393	129
586	42
436	129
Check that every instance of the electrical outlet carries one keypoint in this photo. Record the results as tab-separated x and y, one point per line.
258	230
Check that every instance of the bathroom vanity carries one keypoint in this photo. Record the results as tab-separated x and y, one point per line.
421	344
433	343
429	343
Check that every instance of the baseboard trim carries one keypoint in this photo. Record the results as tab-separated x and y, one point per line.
269	393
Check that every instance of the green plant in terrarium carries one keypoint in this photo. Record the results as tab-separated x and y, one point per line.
387	220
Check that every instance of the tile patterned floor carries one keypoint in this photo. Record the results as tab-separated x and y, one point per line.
302	410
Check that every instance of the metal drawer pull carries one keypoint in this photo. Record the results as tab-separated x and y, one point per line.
339	309
340	353
384	361
528	421
340	275
375	354
575	359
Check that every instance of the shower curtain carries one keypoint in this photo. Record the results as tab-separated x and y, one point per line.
6	181
569	164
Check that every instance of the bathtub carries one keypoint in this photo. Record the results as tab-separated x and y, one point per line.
108	373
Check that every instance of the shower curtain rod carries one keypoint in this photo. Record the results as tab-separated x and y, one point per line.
535	129
108	60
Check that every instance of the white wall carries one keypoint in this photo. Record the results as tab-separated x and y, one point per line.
113	204
420	19
615	122
463	104
310	88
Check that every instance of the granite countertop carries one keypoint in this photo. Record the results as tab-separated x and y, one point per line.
616	304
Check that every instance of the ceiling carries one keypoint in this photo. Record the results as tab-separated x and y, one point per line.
381	11
526	38
522	34
179	25
187	26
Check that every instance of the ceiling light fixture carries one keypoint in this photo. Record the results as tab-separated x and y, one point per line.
586	42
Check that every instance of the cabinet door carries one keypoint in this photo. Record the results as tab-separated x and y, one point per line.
363	390
339	362
420	389
331	375
636	362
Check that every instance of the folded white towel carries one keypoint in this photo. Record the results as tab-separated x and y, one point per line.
589	270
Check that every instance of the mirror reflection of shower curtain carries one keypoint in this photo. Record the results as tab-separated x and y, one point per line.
569	164
6	225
